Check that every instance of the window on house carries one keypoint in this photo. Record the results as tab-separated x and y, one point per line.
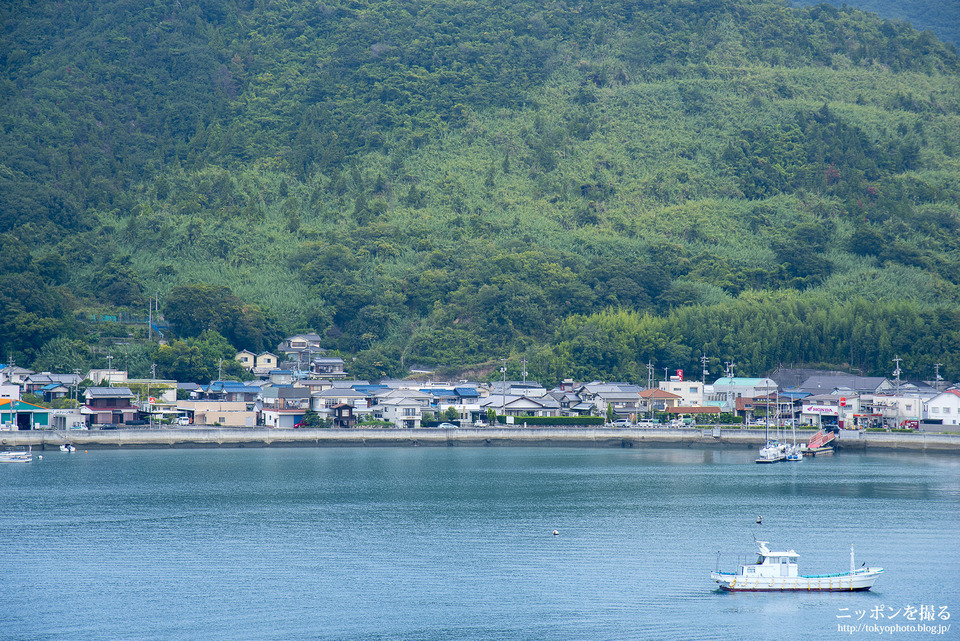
946	410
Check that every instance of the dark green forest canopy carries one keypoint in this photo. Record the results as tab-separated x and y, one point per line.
448	183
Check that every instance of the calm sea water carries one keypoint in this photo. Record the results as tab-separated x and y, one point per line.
457	543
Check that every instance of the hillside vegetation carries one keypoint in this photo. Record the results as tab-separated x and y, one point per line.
591	186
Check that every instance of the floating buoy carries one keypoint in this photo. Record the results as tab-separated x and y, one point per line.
759	519
556	533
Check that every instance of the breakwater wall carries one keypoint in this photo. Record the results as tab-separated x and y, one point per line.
479	437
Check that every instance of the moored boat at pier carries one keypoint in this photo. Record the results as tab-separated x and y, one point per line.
772	452
15	457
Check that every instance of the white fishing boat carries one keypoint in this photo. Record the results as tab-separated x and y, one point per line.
777	572
16	457
66	447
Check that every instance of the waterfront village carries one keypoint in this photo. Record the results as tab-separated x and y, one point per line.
299	386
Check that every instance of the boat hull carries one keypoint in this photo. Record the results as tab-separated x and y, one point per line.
856	582
16	459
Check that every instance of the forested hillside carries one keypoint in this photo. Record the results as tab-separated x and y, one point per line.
592	186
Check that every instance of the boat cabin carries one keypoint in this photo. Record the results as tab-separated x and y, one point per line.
771	564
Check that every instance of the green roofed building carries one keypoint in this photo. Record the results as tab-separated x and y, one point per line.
19	415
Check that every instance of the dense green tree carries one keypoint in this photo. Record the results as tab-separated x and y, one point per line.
117	283
62	354
311	419
204	358
194	309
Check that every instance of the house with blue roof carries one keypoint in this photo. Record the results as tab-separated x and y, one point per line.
447	396
230	391
52	391
281	376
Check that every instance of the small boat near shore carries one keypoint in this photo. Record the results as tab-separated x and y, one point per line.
773	452
15	457
777	572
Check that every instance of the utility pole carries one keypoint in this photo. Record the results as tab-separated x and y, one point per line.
503	392
896	379
666	377
706	370
524	362
936	376
650	388
220	370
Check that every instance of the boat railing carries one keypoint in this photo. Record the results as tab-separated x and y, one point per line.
741	559
863	570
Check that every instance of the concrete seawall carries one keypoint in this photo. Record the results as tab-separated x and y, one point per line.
482	437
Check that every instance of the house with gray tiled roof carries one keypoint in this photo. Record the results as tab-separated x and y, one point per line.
520	406
36	382
302	348
403	412
624	398
827	384
337	395
327	367
13	374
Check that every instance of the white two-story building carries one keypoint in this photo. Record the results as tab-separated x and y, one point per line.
944	407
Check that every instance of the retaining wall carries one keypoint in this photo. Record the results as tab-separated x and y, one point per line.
543	437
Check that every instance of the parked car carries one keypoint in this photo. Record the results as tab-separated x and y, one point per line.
183	420
447	426
622	422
